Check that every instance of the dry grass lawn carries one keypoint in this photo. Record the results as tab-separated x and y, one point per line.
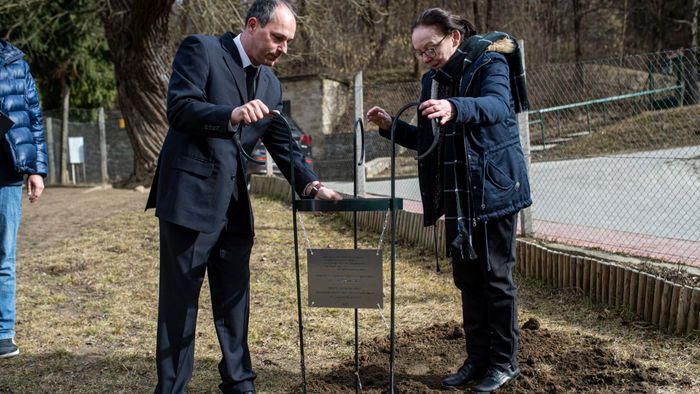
87	311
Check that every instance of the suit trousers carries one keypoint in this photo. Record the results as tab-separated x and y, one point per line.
186	255
489	295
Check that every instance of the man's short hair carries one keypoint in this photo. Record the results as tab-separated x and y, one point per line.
263	10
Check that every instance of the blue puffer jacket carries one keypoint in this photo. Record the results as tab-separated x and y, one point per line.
23	149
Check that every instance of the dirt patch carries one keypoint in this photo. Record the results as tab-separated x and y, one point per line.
550	362
63	212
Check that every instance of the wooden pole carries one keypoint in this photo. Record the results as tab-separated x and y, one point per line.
50	152
104	176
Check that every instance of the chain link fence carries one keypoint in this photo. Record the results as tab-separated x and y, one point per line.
615	153
83	153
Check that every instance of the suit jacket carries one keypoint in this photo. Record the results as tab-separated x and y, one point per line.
198	166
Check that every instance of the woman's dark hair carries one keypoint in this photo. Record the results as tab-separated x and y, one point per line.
444	21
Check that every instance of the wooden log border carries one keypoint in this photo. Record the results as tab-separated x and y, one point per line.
672	307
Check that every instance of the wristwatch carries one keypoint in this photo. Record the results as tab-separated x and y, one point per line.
314	189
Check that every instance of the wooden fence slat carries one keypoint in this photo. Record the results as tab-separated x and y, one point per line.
634	291
684	296
572	271
641	293
560	270
596	286
656	308
673	312
526	259
612	285
549	269
586	276
648	298
603	285
665	305
626	289
694	314
619	285
579	273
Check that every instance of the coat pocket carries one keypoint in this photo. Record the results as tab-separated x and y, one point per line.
194	166
498	178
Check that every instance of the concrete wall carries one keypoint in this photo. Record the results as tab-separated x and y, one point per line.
316	104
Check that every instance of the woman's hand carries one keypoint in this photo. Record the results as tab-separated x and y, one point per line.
379	117
438	109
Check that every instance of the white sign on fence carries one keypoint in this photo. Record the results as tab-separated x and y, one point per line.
75	150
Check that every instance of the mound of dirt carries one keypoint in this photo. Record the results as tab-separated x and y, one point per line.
550	362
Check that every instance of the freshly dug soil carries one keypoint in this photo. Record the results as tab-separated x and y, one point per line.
550	362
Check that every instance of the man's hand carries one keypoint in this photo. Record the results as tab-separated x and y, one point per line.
440	109
379	117
250	112
325	193
35	186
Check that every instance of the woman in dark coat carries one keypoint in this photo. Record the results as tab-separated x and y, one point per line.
467	101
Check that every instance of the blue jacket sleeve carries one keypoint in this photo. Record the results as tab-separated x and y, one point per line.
188	109
36	124
276	141
405	135
491	106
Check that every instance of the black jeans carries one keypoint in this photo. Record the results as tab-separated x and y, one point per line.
489	296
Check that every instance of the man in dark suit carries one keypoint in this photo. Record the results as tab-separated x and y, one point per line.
200	194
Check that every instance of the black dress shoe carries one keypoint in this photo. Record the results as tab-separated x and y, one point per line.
464	375
496	378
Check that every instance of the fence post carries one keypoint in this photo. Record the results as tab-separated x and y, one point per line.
50	152
524	131
359	114
104	176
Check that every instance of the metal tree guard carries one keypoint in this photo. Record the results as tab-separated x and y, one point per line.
353	205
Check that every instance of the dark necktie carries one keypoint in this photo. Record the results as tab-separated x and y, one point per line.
250	74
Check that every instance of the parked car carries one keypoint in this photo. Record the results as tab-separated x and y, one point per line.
303	140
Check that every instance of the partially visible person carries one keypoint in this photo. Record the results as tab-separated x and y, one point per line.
22	154
476	177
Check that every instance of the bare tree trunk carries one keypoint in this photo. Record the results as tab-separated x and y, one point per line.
694	24
578	51
65	100
489	15
137	33
623	33
477	17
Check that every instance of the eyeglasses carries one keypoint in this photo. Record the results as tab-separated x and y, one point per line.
432	51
